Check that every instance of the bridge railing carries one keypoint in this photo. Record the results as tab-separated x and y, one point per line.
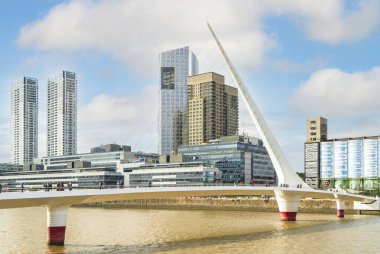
92	187
55	188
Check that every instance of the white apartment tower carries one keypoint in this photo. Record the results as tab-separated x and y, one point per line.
62	114
175	67
24	121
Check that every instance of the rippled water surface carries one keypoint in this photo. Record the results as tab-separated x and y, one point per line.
95	230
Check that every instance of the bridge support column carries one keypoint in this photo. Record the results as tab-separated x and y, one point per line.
56	224
288	204
340	208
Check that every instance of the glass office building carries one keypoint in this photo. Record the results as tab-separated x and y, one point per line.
240	158
174	174
175	67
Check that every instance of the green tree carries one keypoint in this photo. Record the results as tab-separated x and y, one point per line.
301	174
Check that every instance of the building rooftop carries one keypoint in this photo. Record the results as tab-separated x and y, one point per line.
177	165
352	138
100	152
60	171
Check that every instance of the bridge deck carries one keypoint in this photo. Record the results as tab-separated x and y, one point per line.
57	198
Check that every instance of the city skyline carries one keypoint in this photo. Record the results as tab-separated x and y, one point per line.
285	64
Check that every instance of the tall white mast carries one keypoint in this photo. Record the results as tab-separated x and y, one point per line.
285	173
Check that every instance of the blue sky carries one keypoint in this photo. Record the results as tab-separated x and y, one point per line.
298	59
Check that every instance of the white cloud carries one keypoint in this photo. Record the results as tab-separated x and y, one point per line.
124	119
134	32
329	21
354	127
332	92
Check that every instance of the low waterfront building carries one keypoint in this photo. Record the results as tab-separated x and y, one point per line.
109	156
79	177
174	174
240	158
110	148
7	167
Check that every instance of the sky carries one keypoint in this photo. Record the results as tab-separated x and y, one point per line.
298	58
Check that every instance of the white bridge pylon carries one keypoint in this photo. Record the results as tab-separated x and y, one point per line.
288	203
284	171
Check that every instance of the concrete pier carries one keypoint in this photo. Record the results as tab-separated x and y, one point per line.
56	224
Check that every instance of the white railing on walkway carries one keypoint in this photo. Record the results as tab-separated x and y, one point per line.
107	187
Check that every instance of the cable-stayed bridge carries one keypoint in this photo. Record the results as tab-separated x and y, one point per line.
288	198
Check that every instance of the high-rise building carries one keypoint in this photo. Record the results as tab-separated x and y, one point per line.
175	66
316	129
312	164
212	110
62	114
24	120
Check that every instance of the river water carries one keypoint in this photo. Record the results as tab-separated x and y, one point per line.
97	230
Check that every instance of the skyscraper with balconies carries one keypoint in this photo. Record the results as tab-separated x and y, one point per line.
175	67
24	120
212	109
62	114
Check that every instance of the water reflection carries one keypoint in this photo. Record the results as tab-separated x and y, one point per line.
176	231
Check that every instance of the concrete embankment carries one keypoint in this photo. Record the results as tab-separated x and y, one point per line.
223	203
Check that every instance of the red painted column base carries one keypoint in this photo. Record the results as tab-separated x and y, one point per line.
56	235
288	216
340	213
